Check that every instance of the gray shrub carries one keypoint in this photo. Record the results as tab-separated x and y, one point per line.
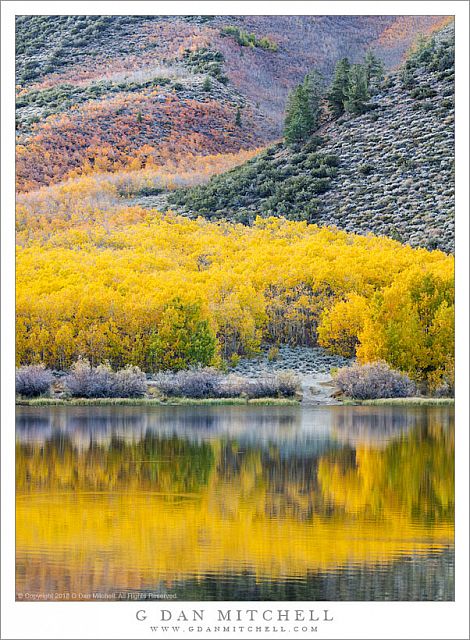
85	381
445	390
193	383
210	383
129	383
33	380
233	386
283	384
374	380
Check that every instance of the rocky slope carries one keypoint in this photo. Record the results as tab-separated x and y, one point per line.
388	171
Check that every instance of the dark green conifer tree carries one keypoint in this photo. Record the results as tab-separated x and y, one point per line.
314	86
304	109
374	69
358	93
338	93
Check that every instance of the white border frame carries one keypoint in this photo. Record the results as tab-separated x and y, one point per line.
352	619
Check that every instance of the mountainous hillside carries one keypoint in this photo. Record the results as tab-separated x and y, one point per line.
105	93
120	119
388	171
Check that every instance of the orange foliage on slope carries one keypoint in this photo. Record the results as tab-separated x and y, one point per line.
128	129
405	28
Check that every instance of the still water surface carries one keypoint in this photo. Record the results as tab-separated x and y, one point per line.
235	503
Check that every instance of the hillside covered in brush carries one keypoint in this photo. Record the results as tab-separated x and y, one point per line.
388	170
107	93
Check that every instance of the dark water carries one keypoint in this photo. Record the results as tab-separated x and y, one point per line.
235	503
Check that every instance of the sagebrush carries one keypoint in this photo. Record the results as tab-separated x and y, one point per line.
210	383
86	381
33	380
372	381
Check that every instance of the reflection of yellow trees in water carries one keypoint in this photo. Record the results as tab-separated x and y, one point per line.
163	464
112	518
412	478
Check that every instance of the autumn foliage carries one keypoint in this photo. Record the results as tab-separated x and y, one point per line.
129	295
81	141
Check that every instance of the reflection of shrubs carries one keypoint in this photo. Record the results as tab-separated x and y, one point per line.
85	381
33	380
374	380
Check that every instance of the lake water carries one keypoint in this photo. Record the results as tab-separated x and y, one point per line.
235	503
